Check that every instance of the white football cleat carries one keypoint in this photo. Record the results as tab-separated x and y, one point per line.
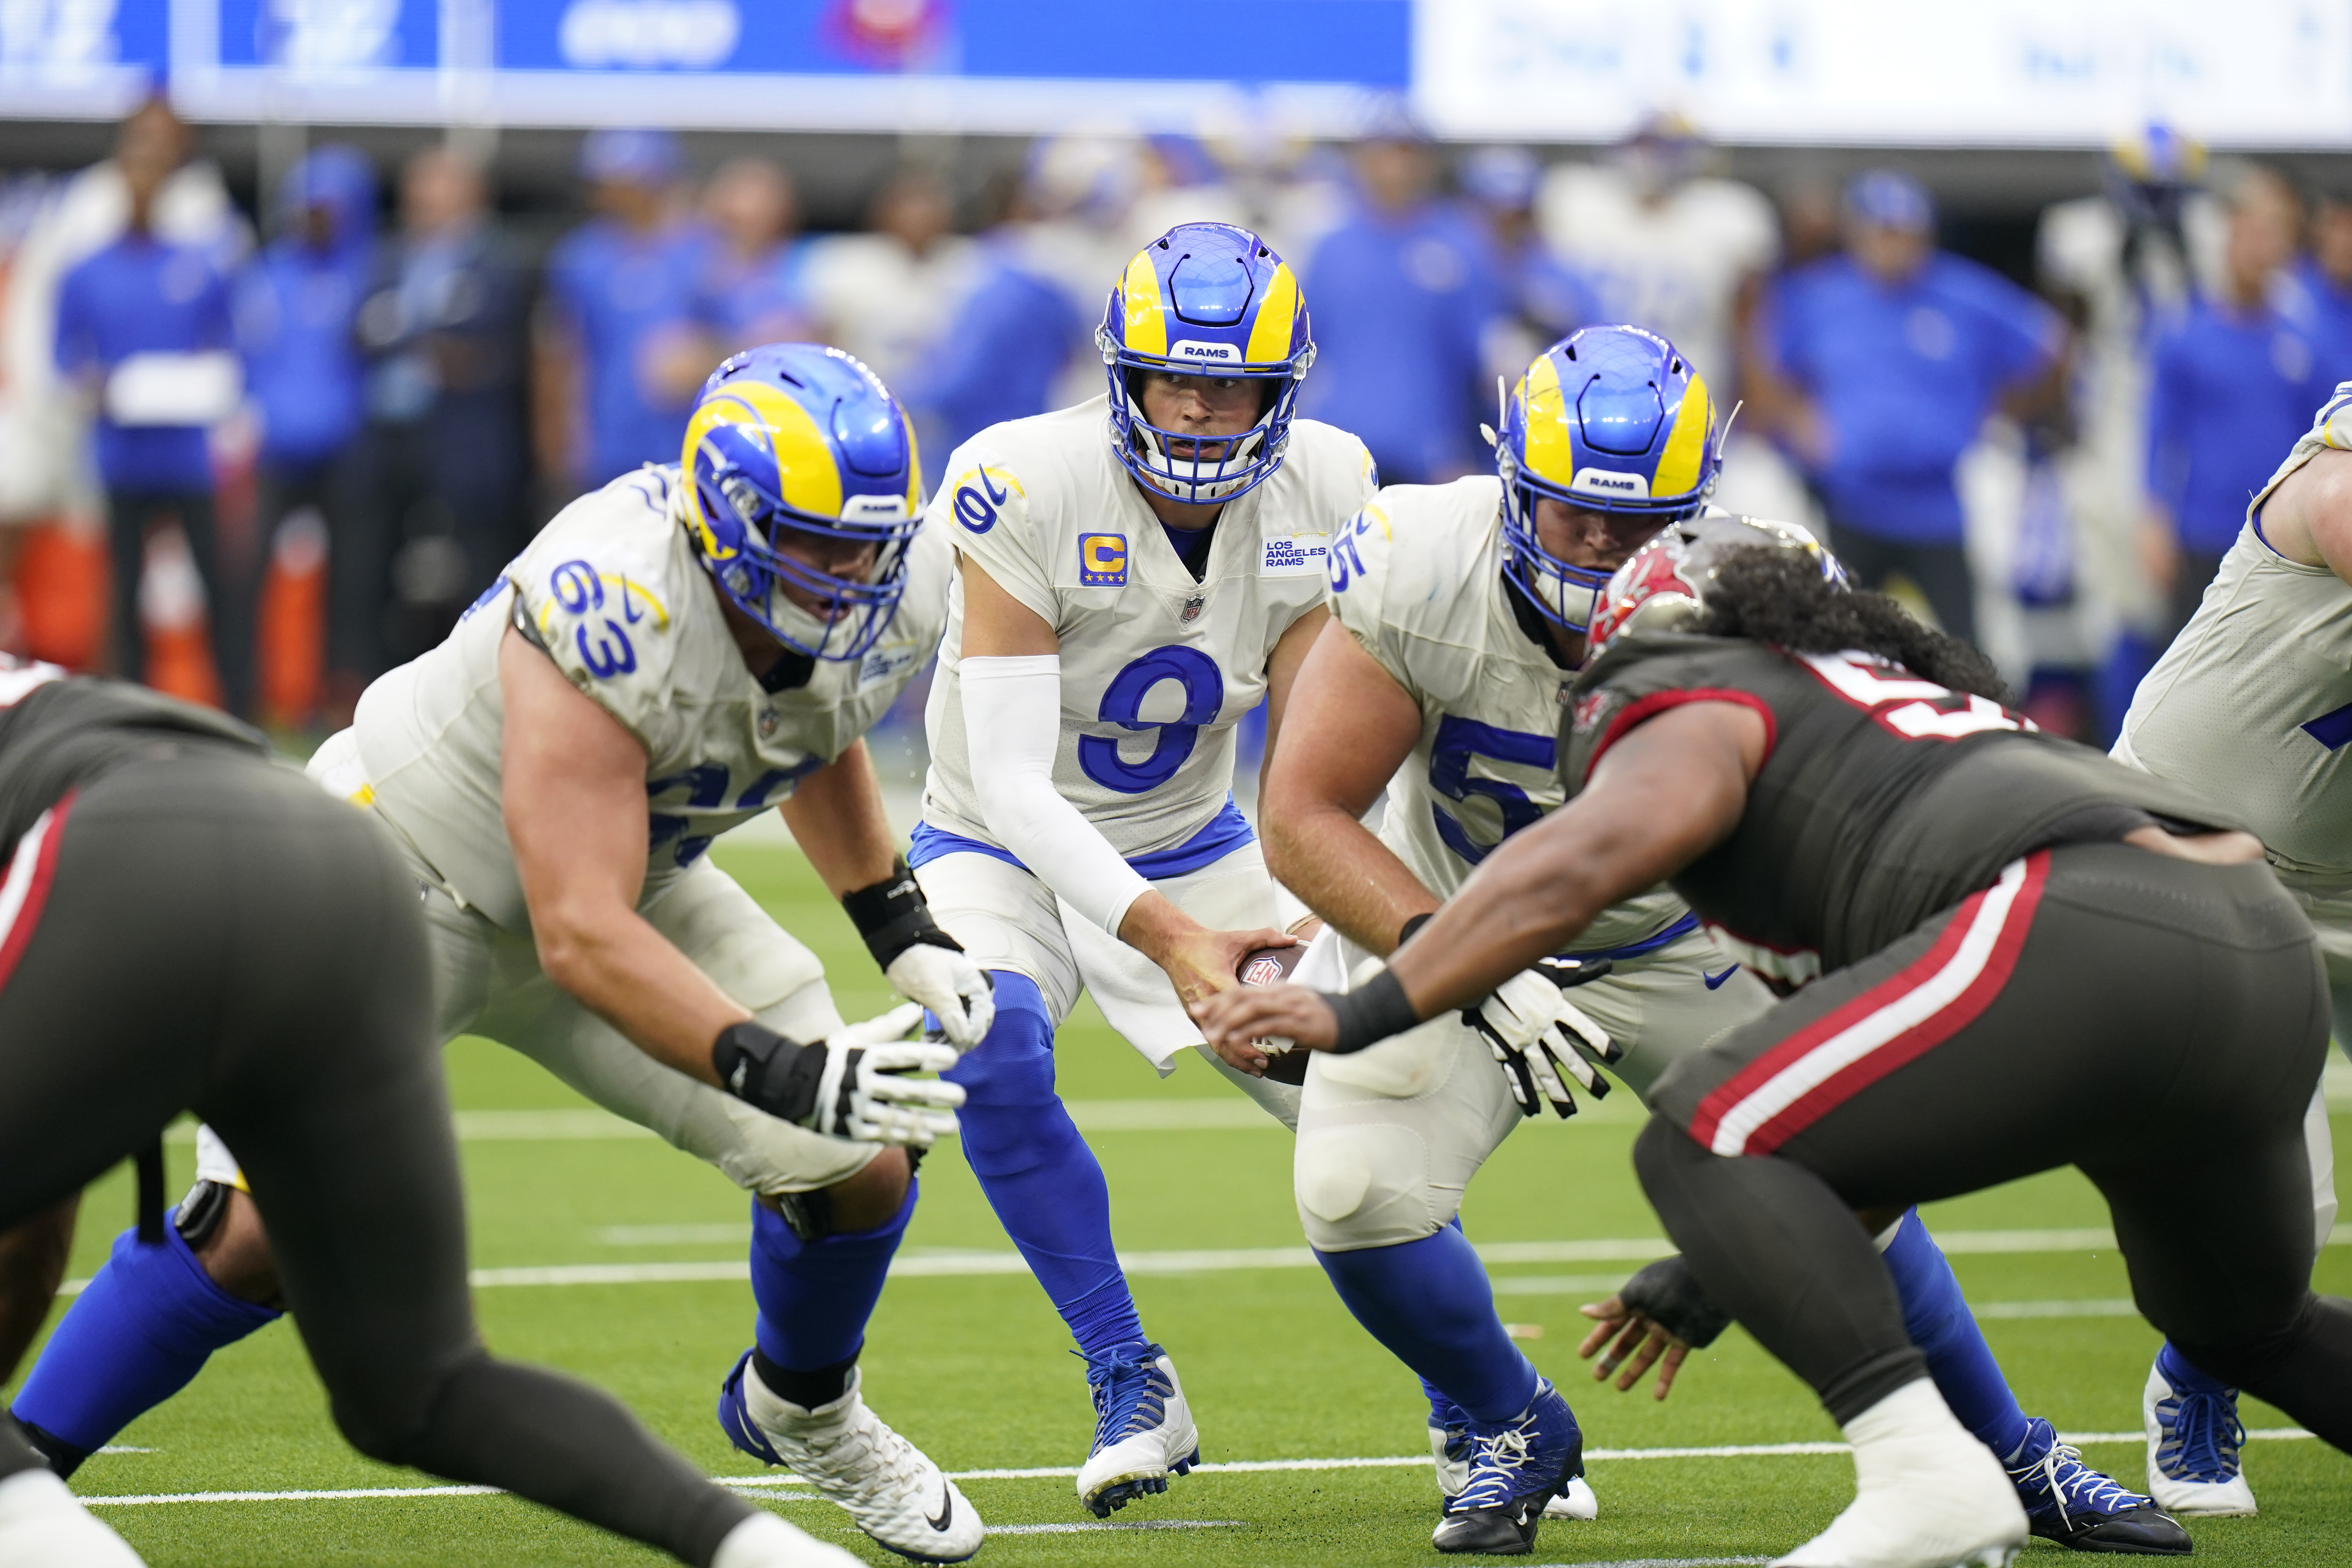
763	1540
1926	1494
1449	1455
1143	1429
2192	1449
847	1452
42	1525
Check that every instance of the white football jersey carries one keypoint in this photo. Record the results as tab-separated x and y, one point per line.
1156	670
1673	266
613	590
1417	579
2253	702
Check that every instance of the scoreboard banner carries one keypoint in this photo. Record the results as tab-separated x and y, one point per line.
2256	73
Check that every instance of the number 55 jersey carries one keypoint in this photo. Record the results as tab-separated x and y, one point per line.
1157	668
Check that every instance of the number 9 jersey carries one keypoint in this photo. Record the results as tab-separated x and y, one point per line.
1417	579
1157	668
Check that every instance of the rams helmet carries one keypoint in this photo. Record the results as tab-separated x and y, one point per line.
1208	300
797	444
1608	419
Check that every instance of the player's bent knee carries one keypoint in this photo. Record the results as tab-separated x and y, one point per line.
223	1229
1366	1187
865	1201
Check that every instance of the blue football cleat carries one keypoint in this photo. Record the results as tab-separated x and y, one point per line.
1515	1468
2067	1502
1143	1429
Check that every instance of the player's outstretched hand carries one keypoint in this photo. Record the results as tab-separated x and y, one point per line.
1632	1341
1233	1020
1538	1036
852	1084
952	985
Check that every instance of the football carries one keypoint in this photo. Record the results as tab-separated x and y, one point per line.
1272	966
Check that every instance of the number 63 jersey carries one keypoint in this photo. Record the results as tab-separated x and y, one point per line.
613	591
1417	580
1157	668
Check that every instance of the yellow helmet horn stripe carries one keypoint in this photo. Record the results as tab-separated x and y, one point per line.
809	480
1270	337
1147	328
1550	455
1678	466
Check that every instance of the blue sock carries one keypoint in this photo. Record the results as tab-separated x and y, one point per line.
1040	1177
1428	1302
2185	1377
815	1295
1940	1324
138	1331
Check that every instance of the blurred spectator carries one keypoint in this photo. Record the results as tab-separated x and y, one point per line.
1004	352
1402	294
42	465
751	291
1894	353
888	294
1547	298
2234	382
620	288
297	308
145	325
442	459
2326	279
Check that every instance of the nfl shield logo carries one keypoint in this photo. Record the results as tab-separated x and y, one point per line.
1262	972
767	723
1192	608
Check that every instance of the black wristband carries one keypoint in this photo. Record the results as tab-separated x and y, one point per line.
892	915
1668	1294
762	1067
1412	923
1370	1013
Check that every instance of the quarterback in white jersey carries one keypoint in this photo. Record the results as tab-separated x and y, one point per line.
2253	705
1459	617
672	655
1137	573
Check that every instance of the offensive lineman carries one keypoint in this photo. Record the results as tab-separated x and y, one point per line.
674	654
1137	574
1459	615
2253	704
2027	956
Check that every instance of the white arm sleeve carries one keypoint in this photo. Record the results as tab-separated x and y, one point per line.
1016	703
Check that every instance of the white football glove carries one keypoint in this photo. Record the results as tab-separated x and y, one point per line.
952	985
1537	1033
863	1092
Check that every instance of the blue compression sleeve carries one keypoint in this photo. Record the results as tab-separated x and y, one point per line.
1428	1302
1940	1324
1040	1177
138	1331
815	1295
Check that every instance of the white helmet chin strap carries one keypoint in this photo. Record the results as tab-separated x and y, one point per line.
1223	478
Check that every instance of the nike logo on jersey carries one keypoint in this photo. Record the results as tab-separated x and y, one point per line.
1715	982
945	1516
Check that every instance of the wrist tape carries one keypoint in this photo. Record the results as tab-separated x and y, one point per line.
1370	1013
892	915
762	1067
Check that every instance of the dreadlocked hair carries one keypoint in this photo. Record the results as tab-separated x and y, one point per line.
1780	597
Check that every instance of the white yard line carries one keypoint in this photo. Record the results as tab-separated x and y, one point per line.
1050	1472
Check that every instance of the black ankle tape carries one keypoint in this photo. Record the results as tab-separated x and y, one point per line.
808	1389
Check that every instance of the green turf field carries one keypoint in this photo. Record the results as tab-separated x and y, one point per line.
974	1366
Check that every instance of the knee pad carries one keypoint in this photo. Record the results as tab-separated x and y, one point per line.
1367	1185
1012	1118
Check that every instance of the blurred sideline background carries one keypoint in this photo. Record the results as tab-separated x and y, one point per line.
312	311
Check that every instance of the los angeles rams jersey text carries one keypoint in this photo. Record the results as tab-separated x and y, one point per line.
1157	668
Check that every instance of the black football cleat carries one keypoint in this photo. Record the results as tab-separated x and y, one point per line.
2067	1502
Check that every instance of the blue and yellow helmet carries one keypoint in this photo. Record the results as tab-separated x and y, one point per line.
798	442
1608	419
1210	300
